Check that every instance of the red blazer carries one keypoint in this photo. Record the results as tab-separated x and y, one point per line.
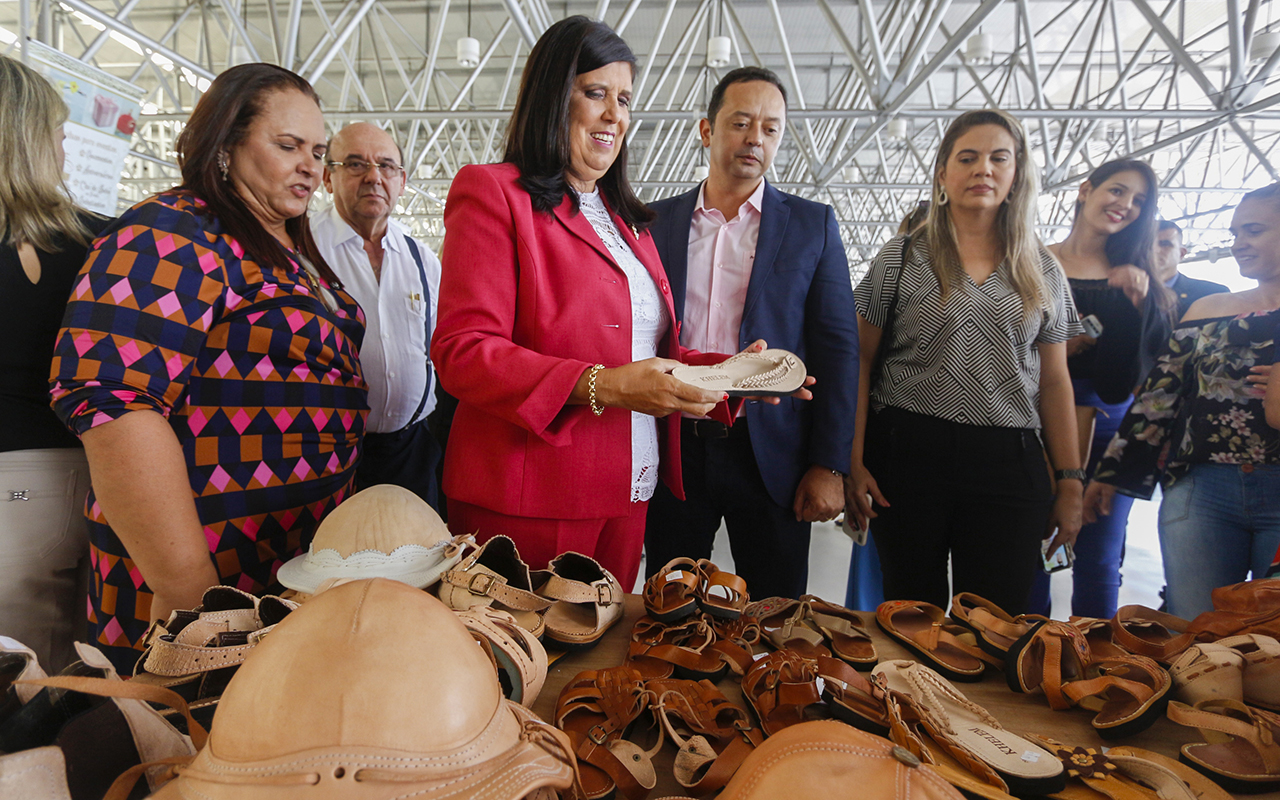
528	302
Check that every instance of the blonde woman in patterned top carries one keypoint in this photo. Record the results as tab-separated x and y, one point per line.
948	459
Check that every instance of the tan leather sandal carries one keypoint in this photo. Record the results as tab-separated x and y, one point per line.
587	601
683	650
494	575
1094	775
1146	632
1201	786
517	655
769	373
782	625
1056	654
782	689
1241	752
1261	656
1025	767
853	698
1206	671
713	734
996	629
923	628
1128	694
844	631
721	594
596	709
671	594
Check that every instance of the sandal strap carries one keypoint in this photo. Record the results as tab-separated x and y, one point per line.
954	635
1234	720
480	580
1135	615
173	659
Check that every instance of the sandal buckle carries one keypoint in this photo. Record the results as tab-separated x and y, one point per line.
600	738
489	581
604	594
742	727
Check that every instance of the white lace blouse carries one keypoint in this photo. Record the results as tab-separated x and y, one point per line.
649	322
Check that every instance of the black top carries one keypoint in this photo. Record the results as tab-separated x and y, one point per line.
1130	340
30	318
1189	290
1197	406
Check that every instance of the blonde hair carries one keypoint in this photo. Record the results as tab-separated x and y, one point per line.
35	207
1015	221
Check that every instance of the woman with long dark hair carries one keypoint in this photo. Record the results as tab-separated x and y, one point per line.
1108	258
555	326
948	460
208	361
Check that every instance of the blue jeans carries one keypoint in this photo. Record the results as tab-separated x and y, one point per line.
1095	577
1217	523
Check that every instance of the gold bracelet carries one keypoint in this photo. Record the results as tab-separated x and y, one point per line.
596	409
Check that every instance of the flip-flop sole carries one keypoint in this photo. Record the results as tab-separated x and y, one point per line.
851	717
1232	783
934	664
1133	727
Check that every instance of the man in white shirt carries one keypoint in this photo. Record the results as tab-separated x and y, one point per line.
396	279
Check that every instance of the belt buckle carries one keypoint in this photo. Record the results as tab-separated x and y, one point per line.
710	429
600	738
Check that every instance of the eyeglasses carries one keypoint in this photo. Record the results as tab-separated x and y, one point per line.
356	168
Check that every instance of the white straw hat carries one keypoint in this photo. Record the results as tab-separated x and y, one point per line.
384	531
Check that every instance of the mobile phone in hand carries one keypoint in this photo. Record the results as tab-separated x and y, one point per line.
1092	326
1059	559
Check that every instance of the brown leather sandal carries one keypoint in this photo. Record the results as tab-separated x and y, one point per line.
714	735
683	650
1146	632
922	628
1098	633
671	594
1242	748
596	709
1093	774
1054	655
782	625
844	631
782	689
1200	785
853	698
1128	694
996	629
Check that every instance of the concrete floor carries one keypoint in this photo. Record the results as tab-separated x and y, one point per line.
829	551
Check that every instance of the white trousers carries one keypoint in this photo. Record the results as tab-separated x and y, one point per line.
44	551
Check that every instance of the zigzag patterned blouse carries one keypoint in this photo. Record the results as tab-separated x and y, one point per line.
972	361
257	377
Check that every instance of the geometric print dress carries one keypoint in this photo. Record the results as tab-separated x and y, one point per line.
258	378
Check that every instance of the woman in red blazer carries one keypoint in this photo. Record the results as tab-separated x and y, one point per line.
534	328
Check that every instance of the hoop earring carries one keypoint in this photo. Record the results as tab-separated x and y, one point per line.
942	197
223	166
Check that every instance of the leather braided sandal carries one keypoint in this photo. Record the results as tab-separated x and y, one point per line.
1241	752
782	689
683	650
597	709
671	594
996	629
714	735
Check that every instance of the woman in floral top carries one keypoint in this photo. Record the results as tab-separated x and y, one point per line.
1199	427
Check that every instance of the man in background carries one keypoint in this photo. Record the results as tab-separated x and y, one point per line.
1169	254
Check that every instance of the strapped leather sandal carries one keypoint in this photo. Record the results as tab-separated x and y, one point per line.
966	726
735	640
1261	656
684	650
516	653
853	698
923	629
596	709
843	630
1241	752
714	735
1146	632
1127	693
1206	671
1054	655
782	625
1098	633
1091	774
494	575
770	373
1201	786
671	594
587	600
996	629
721	594
782	689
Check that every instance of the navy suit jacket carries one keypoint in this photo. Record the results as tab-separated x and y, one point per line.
1189	290
799	298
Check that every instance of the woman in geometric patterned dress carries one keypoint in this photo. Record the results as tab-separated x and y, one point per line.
208	361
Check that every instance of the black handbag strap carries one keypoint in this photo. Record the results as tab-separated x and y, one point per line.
887	330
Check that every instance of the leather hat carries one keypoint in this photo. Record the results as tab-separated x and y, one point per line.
384	531
826	759
372	690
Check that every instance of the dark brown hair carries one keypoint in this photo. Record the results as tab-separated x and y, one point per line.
538	136
221	121
741	75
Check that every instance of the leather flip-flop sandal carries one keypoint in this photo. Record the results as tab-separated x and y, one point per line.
1200	786
596	709
924	630
1261	656
671	594
1241	752
844	632
684	650
769	373
1146	632
713	734
587	601
782	625
1024	766
1127	694
516	653
996	629
853	698
782	689
1093	775
722	594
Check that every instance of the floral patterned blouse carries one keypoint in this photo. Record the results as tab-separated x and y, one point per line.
1195	407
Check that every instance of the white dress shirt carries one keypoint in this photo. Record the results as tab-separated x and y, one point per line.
396	340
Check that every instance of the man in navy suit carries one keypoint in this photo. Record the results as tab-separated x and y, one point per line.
1169	253
748	262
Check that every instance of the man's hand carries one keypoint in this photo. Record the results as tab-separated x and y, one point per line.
820	496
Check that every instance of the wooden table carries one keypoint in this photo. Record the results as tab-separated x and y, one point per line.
1017	712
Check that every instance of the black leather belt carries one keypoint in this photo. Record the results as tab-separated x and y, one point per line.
710	429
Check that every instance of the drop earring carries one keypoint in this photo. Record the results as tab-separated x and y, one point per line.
223	167
942	197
